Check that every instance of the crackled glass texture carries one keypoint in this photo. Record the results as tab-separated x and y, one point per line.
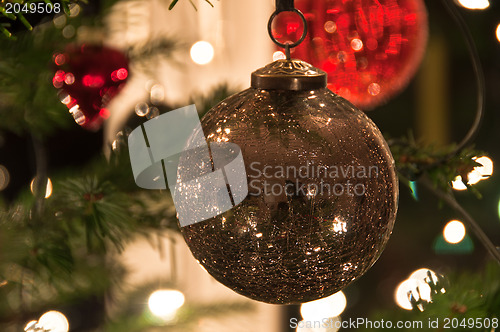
322	199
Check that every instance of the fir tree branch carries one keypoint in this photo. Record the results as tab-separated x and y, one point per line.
449	199
174	2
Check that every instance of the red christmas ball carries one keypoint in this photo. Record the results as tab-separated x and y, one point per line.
369	48
88	77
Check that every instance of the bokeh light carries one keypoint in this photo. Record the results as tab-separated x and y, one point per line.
458	184
157	94
418	288
474	4
31	326
498	32
48	190
74	10
4	177
477	174
481	172
279	55
53	321
423	275
202	52
454	232
165	303
331	306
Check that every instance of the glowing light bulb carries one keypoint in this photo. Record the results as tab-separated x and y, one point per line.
417	288
486	170
422	274
53	321
202	52
498	32
48	190
31	326
4	177
165	303
278	55
477	174
474	4
331	306
454	232
458	184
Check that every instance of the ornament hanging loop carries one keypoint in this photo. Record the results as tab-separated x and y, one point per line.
286	6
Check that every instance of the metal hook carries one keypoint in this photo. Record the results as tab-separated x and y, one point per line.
286	6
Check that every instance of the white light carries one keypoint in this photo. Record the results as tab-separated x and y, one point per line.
454	231
474	4
484	171
422	274
31	326
498	32
477	174
48	190
157	94
418	288
458	184
331	306
278	55
54	321
164	303
202	52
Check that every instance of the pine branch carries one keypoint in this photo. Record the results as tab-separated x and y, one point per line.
174	2
468	297
31	10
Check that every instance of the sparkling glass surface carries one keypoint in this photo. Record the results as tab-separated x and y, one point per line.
369	48
297	236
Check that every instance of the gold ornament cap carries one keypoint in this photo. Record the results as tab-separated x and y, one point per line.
295	75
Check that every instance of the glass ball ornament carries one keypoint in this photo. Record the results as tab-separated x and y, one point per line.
323	190
88	77
369	48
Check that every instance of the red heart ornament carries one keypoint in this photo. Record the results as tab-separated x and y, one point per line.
88	77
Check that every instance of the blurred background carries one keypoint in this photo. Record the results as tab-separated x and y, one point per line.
200	53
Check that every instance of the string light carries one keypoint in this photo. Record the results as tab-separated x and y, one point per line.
31	326
474	4
48	190
454	232
53	321
278	55
165	303
202	52
331	306
423	275
416	288
4	177
479	173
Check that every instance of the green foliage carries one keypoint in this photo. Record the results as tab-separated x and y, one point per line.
470	298
4	28
441	165
28	102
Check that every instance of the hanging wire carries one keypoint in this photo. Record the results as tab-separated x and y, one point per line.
448	197
478	72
